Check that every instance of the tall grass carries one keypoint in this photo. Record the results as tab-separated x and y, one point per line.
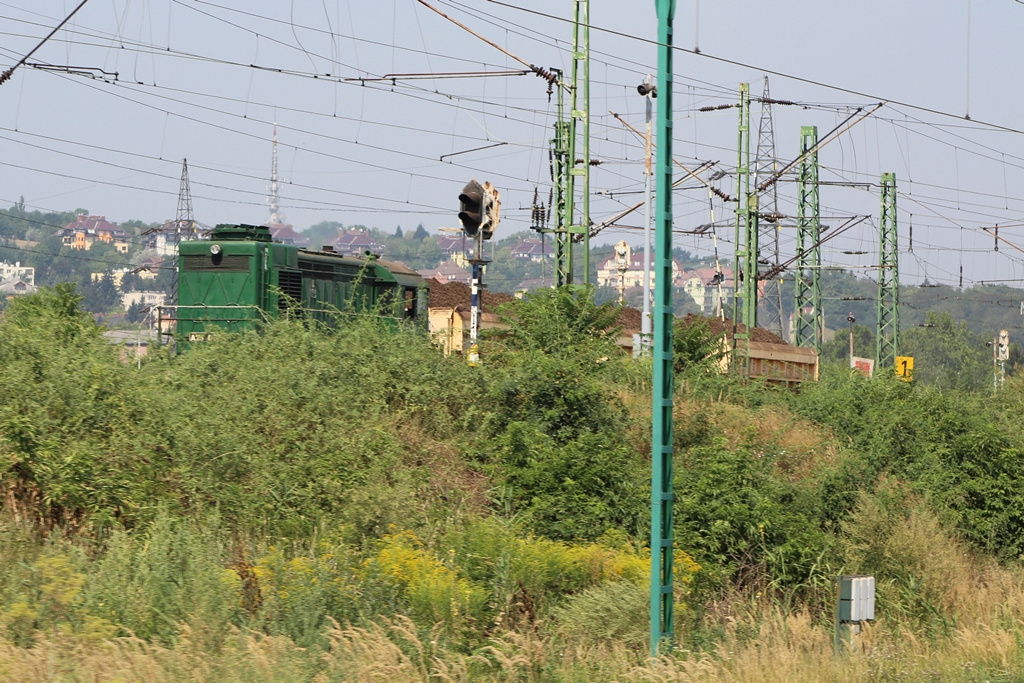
777	647
66	610
298	506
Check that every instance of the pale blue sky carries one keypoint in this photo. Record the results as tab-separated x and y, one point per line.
371	153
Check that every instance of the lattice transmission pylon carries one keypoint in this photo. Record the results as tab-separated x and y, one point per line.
766	165
184	223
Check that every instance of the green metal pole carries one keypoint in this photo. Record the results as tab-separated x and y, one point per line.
570	178
808	326
744	298
662	492
561	166
751	265
888	337
579	114
583	54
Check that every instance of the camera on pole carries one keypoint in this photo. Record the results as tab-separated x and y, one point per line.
648	87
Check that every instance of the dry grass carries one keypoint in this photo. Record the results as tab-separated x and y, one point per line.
246	658
791	648
775	647
799	448
449	477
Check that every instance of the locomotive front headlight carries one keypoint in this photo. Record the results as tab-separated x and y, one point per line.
215	249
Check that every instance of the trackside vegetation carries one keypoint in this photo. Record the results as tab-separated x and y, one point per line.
301	506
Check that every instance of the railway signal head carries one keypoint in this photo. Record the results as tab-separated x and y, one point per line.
472	209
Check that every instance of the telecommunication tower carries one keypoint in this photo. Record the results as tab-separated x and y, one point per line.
184	222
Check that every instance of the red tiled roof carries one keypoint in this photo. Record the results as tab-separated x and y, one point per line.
705	274
93	225
356	243
355	239
535	283
531	248
286	233
448	271
449	244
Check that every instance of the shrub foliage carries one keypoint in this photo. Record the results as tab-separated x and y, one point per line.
332	489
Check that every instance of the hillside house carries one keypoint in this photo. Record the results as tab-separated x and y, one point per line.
356	243
87	230
533	250
116	276
26	274
150	268
129	299
162	238
533	283
286	234
609	275
13	288
706	286
451	245
448	271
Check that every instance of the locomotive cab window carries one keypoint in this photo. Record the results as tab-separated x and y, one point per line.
386	299
409	312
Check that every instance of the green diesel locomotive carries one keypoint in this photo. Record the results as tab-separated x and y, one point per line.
240	278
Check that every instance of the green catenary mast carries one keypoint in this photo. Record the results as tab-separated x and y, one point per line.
662	481
580	114
566	167
888	334
808	318
744	302
560	167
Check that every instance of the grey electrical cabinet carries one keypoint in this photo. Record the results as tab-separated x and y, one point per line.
856	598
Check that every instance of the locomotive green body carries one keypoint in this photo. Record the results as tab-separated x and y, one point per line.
240	278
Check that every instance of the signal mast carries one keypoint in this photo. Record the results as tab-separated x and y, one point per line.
479	213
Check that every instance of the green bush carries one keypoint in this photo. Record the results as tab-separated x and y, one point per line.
948	446
917	563
696	348
284	431
572	490
65	394
743	522
150	583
